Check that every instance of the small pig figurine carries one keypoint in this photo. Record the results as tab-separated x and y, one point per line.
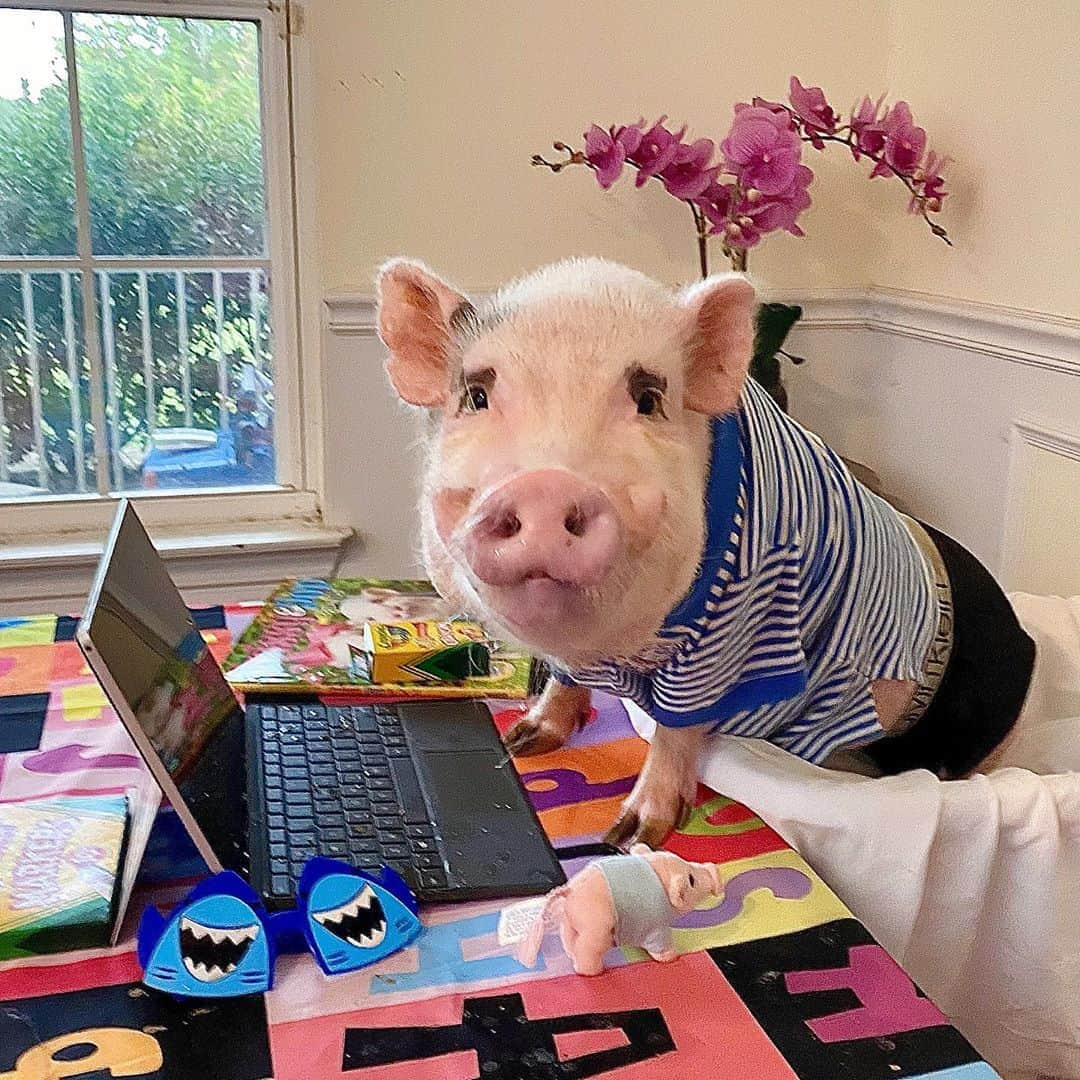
622	900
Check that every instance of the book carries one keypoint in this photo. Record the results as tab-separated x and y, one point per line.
308	632
65	872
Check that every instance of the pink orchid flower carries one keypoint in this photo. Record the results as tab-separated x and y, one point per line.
813	110
656	151
773	106
629	136
759	185
904	142
868	129
931	184
783	211
606	154
689	173
715	203
763	154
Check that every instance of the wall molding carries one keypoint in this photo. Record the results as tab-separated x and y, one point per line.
350	314
1063	443
1036	339
1028	441
1033	338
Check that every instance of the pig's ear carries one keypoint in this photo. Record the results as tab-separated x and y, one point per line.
415	309
720	310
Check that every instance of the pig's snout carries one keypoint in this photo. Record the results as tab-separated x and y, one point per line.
544	525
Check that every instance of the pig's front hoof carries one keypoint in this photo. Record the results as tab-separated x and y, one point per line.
536	733
550	722
644	822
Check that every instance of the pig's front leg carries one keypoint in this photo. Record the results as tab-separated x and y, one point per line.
557	714
665	790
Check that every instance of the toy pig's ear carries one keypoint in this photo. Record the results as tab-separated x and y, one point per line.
416	310
719	343
679	891
714	878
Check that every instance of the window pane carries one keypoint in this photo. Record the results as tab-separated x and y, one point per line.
37	189
189	390
46	438
170	114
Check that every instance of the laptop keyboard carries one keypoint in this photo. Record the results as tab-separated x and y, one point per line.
340	782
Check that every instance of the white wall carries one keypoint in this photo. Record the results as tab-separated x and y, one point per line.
425	115
994	83
930	396
415	124
373	448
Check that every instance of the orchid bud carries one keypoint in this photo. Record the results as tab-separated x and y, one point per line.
733	230
753	195
746	222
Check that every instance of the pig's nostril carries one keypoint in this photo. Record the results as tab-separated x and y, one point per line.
506	526
575	522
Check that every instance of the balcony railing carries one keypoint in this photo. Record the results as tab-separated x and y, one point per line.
185	355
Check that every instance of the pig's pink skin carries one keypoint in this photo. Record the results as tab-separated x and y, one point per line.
543	524
561	343
555	352
586	916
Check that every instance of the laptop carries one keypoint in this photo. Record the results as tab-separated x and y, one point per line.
426	788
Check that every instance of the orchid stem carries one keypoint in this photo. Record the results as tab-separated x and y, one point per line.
879	159
702	239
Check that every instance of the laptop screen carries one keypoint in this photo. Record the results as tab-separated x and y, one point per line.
169	681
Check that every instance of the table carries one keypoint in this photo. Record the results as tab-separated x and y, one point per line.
778	980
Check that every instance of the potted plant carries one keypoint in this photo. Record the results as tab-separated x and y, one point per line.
759	184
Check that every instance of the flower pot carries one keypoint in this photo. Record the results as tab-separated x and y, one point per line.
773	323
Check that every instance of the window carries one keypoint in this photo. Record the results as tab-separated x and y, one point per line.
145	318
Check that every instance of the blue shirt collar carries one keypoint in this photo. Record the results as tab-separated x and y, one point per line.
721	501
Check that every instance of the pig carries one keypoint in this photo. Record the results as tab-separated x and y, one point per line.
605	486
622	900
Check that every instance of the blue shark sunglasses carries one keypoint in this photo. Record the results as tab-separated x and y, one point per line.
220	941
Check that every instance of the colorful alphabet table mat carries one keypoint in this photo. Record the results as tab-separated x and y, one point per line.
776	980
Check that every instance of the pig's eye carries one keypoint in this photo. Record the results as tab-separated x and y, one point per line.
647	390
691	881
477	390
476	398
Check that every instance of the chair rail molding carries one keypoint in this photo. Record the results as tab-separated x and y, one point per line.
921	388
1035	338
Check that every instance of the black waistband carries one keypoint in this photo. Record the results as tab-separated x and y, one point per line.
985	681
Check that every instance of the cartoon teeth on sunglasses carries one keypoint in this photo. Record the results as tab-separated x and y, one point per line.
221	942
218	943
353	919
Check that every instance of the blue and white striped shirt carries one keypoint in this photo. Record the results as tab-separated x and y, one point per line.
810	588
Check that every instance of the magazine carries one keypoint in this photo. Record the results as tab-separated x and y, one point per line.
306	636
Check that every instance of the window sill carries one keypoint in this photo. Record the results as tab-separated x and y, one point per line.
210	565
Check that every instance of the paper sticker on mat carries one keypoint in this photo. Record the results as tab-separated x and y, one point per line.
517	920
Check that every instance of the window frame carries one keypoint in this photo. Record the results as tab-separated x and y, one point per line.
294	495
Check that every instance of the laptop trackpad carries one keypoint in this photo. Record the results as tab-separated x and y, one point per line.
492	840
448	726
